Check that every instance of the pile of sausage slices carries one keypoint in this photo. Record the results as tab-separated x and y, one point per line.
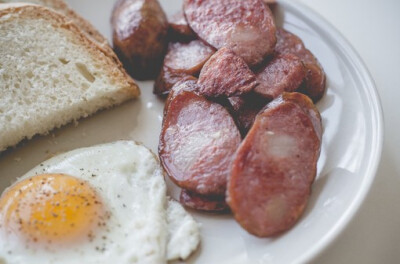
240	131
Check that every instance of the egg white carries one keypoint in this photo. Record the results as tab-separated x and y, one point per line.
129	180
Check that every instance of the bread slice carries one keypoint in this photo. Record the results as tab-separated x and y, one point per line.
63	8
51	73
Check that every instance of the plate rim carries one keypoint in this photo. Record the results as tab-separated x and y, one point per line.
369	89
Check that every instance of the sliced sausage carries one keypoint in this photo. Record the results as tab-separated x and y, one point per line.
188	83
315	82
188	57
308	107
273	170
197	143
182	60
166	80
226	74
284	73
179	28
245	109
212	204
140	29
245	26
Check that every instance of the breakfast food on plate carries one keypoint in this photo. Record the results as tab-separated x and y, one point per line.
245	108
101	204
140	29
315	82
284	73
226	74
182	60
245	26
197	142
250	84
62	7
274	167
52	74
188	83
179	29
206	203
183	232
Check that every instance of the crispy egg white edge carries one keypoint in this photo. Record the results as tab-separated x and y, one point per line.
148	245
183	232
183	235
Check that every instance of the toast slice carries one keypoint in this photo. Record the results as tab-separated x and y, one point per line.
51	73
63	8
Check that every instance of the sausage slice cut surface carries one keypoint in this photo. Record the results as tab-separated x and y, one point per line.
245	26
188	83
226	74
179	28
284	73
182	60
315	82
245	109
188	57
197	142
273	170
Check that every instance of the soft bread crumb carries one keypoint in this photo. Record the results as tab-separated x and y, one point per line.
52	74
63	8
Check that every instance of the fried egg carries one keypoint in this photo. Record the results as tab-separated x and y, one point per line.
102	204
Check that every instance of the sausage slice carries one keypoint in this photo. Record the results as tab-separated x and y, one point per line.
245	109
140	29
212	204
197	143
182	60
226	74
179	28
188	83
284	73
245	26
273	169
315	82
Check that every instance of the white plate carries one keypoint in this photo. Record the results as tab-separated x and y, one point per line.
352	142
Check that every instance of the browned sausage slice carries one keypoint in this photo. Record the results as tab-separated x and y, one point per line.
315	84
273	170
245	109
245	26
188	83
226	74
179	28
197	143
284	73
212	204
140	31
182	60
166	80
308	107
188	57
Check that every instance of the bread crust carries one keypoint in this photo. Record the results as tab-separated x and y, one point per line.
63	8
60	21
128	88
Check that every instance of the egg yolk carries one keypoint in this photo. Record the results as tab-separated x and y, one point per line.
51	208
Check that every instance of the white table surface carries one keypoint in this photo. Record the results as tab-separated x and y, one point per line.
373	29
